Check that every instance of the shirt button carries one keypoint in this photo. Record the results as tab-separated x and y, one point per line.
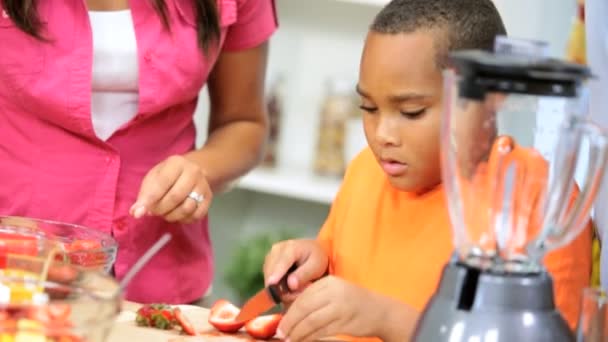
4	14
119	225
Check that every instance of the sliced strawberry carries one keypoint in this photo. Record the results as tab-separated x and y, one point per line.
83	245
56	330
187	327
85	253
222	316
263	327
63	273
19	244
155	315
59	312
144	315
8	325
69	338
39	314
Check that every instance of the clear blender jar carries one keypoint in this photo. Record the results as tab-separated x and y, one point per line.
513	131
514	134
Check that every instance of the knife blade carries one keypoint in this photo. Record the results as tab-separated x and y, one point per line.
265	299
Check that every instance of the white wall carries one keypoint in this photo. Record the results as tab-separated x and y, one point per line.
548	20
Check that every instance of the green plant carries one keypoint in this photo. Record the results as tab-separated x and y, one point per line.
244	273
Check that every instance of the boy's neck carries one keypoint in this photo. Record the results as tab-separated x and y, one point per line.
426	192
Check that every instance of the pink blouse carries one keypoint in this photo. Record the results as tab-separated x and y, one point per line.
53	166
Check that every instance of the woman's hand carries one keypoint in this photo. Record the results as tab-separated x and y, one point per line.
170	189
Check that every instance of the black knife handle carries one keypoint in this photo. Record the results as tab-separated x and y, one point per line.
280	289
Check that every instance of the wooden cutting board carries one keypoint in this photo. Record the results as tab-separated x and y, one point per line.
125	330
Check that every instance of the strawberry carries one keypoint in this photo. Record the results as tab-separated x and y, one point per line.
39	314
155	315
184	322
63	273
59	312
85	253
263	327
87	259
18	244
8	325
83	245
222	316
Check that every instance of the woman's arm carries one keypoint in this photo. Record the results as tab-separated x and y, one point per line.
238	122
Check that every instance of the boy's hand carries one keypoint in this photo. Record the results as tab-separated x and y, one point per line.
311	259
332	306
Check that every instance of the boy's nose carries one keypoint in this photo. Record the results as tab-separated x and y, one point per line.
387	132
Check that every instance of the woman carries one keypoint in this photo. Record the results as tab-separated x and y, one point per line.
96	103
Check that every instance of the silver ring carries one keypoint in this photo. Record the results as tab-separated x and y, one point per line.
198	198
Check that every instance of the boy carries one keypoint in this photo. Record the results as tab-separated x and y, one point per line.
388	234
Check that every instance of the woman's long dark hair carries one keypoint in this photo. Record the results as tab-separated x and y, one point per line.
25	15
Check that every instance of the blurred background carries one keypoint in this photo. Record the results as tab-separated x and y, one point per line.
313	68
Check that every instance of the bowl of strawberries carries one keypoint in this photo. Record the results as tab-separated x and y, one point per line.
46	300
70	243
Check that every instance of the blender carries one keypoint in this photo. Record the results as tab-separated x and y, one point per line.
513	135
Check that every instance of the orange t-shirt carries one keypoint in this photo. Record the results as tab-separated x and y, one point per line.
396	243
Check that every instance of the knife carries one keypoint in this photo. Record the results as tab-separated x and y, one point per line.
266	299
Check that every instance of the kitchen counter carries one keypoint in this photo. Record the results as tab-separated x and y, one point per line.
125	330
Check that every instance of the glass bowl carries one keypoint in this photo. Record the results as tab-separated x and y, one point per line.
72	305
78	245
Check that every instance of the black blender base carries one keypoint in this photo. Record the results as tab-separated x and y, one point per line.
471	305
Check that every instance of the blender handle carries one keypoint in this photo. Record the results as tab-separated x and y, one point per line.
574	222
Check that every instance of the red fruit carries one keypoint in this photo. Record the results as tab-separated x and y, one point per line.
40	314
85	253
83	245
155	315
8	325
59	312
69	338
64	274
87	259
18	244
222	317
263	327
184	322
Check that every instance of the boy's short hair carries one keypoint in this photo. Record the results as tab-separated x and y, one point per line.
464	24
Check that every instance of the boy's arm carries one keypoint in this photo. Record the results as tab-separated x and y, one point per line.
570	268
399	320
325	240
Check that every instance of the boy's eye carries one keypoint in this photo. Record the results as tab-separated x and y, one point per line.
413	114
368	109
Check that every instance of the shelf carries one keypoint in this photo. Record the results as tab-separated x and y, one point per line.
376	3
302	185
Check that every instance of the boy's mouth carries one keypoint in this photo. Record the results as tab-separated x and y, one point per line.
393	167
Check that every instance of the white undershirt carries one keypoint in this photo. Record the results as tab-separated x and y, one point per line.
115	71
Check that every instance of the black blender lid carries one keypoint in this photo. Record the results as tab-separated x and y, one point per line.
483	71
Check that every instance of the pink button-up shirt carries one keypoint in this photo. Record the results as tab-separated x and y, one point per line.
53	166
